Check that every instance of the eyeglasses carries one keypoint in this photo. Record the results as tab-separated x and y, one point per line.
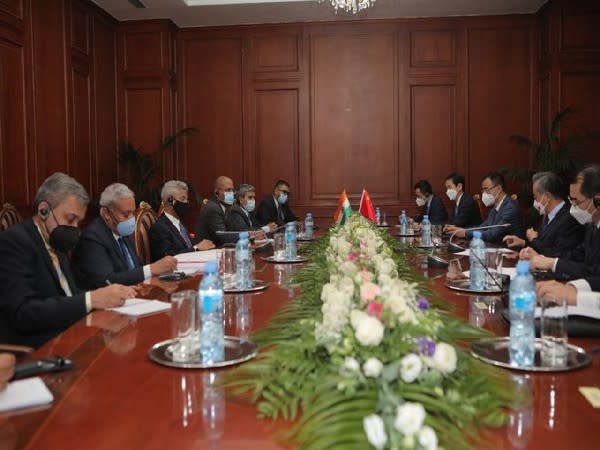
576	202
283	191
483	189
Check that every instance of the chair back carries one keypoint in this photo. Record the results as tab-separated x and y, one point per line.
482	209
144	219
9	216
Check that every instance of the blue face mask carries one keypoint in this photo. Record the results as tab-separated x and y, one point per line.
282	199
228	198
250	205
126	228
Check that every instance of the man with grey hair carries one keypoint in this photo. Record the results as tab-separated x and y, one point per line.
559	232
39	297
242	216
106	252
168	235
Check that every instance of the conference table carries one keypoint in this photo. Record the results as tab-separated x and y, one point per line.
116	398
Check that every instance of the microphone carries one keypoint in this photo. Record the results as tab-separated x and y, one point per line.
455	248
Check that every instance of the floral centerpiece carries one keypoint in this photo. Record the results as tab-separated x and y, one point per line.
365	358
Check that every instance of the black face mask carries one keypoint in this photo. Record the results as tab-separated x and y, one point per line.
181	208
63	238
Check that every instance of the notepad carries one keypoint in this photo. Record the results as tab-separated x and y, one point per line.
193	262
25	394
141	307
500	250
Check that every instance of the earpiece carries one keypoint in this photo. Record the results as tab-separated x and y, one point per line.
44	212
171	200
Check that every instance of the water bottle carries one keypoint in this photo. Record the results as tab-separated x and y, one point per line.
290	241
403	221
522	307
212	335
377	216
426	232
308	226
243	262
477	273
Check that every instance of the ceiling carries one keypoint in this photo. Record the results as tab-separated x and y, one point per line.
196	13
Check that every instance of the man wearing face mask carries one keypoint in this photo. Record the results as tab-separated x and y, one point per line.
212	223
466	212
39	297
106	250
275	208
504	211
242	218
559	233
584	260
429	203
168	235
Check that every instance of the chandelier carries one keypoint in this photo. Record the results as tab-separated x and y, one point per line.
353	6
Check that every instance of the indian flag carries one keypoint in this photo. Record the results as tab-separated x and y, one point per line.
343	210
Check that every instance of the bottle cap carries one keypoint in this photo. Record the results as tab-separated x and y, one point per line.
291	224
425	217
210	266
523	267
476	234
244	235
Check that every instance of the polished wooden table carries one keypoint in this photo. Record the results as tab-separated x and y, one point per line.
116	398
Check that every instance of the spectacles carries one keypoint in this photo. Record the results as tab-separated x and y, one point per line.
488	189
576	202
283	191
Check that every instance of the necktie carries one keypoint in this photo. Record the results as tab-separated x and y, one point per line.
184	234
280	215
545	223
126	254
455	210
62	280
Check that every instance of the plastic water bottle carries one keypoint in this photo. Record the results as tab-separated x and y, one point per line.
290	241
243	262
212	335
426	232
477	273
403	221
522	307
377	216
309	225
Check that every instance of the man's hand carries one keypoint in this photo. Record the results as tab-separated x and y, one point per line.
204	244
527	253
7	368
555	289
272	227
163	265
111	296
513	241
257	235
540	262
456	231
531	234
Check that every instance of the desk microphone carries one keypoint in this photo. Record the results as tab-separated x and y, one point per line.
455	248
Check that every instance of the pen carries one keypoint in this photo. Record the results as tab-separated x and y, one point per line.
108	283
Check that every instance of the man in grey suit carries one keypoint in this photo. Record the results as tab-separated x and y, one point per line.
242	215
212	223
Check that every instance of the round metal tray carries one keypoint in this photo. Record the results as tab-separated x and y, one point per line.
236	352
257	285
495	351
464	285
272	259
303	239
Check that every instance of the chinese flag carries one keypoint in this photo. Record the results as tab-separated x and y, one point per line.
366	206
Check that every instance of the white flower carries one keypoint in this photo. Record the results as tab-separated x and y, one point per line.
369	331
427	438
368	291
444	358
349	269
356	316
401	309
372	367
409	418
375	431
410	367
351	364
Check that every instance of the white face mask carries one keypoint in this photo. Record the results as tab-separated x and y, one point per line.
581	215
250	205
420	201
487	199
451	193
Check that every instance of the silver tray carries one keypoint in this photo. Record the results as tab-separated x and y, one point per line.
304	239
407	235
495	351
464	285
272	259
257	285
236	352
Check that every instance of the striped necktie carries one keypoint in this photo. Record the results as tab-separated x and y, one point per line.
127	254
545	223
184	234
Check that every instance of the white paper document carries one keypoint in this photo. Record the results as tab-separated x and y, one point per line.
193	262
25	394
501	250
141	307
575	311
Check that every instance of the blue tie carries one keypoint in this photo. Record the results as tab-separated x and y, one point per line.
126	254
184	234
544	224
455	210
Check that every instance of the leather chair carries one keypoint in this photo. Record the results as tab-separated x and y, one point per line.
9	216
144	219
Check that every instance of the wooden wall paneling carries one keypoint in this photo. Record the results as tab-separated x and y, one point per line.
579	30
433	48
275	54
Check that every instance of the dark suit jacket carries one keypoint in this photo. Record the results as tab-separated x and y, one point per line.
33	306
594	282
560	236
508	213
165	239
584	261
468	214
436	211
98	258
267	212
212	219
240	220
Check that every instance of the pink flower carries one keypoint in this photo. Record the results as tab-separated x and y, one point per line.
375	309
368	292
353	255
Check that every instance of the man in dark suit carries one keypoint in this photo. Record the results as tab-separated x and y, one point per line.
106	251
560	233
212	223
504	211
466	212
39	297
275	207
241	216
430	204
584	260
168	235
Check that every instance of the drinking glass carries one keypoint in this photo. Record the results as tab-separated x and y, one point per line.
279	246
493	258
553	331
436	235
227	267
184	324
300	230
454	269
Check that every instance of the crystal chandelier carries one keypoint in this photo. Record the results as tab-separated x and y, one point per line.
353	6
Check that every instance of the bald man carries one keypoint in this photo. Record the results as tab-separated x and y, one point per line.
212	222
